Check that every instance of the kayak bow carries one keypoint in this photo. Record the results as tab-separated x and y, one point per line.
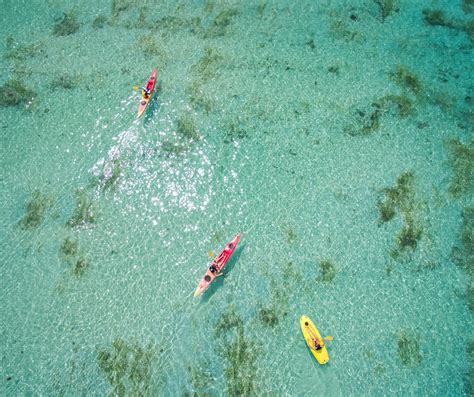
218	263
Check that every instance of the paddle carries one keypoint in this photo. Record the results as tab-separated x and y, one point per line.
329	337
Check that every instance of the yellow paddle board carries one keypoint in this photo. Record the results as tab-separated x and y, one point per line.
310	333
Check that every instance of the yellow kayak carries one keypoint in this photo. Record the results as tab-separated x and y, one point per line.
310	334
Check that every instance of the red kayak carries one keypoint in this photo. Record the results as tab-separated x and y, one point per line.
146	96
217	265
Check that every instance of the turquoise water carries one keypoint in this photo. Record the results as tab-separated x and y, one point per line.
336	136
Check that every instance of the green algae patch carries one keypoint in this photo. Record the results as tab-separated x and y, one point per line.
70	253
327	271
463	254
406	79
239	355
290	235
66	26
111	182
220	23
399	197
99	22
201	379
80	266
197	97
461	160
437	18
402	104
229	320
149	45
186	127
386	8
21	53
14	93
268	316
469	377
234	131
64	82
128	368
409	235
69	248
238	352
206	67
467	6
36	208
83	213
408	349
173	148
119	6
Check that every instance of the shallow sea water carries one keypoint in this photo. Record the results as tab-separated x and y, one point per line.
286	121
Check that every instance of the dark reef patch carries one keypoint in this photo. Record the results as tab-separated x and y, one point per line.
128	368
14	93
408	349
386	8
84	213
461	156
238	352
36	208
66	26
401	198
99	22
327	271
463	254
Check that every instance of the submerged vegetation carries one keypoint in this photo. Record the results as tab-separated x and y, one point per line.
119	6
206	67
230	319
407	80
240	356
186	127
238	352
463	254
149	46
201	379
70	253
408	349
328	270
83	213
268	316
219	24
128	368
462	163
386	8
99	22
437	18
35	210
64	81
18	52
291	235
14	93
69	248
401	198
66	26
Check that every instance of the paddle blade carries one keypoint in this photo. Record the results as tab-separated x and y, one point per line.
211	254
135	88
328	337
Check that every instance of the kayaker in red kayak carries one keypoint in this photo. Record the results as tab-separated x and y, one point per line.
215	268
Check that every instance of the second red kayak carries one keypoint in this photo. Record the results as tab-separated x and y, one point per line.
147	93
217	265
